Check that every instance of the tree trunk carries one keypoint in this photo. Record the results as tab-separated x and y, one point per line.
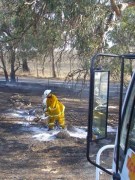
4	66
25	65
43	66
115	7
37	66
118	8
53	64
12	61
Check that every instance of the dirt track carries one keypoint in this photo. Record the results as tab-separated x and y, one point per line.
24	158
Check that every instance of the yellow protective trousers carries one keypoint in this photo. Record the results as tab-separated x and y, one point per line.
60	119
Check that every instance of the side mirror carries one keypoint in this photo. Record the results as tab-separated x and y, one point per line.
100	104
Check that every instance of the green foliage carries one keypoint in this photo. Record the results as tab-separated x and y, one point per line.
123	34
122	38
48	25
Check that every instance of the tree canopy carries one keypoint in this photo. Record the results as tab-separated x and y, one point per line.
39	27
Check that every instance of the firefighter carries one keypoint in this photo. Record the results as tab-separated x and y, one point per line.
54	109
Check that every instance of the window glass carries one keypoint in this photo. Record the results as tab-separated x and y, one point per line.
131	141
126	119
100	105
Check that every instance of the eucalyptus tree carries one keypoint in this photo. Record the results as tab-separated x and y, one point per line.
122	38
86	20
85	24
15	21
4	67
54	23
96	20
48	28
18	23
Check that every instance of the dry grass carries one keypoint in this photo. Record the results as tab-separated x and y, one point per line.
40	67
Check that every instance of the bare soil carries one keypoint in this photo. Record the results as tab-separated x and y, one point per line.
25	158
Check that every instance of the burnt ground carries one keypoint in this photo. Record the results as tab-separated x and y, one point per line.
25	158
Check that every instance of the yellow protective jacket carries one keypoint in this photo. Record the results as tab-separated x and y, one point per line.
54	107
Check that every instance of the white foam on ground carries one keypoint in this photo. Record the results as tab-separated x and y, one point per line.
78	133
42	134
21	112
46	135
24	115
51	135
30	118
15	115
23	123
